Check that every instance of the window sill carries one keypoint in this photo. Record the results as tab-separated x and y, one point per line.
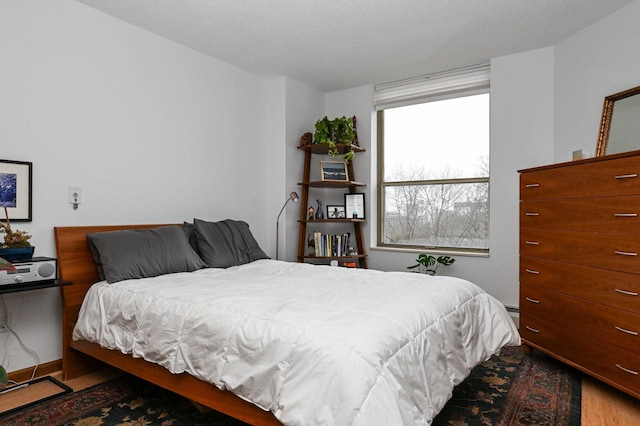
445	252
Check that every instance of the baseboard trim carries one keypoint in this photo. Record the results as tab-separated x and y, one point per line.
45	369
514	313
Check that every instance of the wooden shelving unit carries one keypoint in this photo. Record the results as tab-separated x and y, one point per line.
351	186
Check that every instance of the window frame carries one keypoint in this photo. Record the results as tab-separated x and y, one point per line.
383	184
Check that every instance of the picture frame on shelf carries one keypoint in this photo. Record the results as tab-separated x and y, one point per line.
336	212
354	205
16	189
334	171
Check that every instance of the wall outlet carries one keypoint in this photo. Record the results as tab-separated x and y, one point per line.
75	195
5	320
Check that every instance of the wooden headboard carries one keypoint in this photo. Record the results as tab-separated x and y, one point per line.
75	263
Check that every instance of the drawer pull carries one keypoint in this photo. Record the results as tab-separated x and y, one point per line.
533	330
532	185
532	243
532	214
531	271
624	330
632	175
528	299
635	373
625	214
628	293
626	253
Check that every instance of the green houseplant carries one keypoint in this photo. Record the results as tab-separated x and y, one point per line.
341	130
4	378
428	264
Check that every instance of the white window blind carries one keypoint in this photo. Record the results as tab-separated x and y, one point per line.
470	81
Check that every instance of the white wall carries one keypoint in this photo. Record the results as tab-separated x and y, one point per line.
304	106
152	131
599	61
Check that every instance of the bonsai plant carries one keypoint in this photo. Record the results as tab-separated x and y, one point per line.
428	264
341	130
16	243
13	238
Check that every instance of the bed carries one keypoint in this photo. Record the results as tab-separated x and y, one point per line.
271	342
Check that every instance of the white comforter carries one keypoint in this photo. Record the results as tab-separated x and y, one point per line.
315	345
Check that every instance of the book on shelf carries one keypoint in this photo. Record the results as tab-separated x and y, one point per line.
331	245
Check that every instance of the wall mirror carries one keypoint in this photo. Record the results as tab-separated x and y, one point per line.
620	123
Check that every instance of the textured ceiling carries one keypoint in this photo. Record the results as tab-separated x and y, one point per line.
338	44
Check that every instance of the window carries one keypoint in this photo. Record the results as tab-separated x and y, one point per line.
434	165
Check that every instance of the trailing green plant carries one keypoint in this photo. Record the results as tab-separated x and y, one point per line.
340	130
428	264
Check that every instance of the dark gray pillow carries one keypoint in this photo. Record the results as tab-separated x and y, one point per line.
190	230
226	243
142	253
96	257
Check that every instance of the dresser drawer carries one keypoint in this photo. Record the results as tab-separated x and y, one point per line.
618	327
616	289
593	179
603	214
614	365
609	251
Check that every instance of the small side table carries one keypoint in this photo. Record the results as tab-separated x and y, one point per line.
33	285
26	286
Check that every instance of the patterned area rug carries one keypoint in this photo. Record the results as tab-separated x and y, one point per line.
510	389
516	389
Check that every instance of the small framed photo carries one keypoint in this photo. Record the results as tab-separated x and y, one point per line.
15	190
334	171
335	212
354	205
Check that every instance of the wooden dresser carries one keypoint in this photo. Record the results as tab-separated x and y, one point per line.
580	265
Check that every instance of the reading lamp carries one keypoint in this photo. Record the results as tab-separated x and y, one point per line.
293	196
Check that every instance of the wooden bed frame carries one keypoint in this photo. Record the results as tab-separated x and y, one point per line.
75	263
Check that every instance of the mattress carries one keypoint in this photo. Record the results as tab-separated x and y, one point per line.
315	345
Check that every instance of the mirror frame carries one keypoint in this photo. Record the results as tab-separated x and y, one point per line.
607	115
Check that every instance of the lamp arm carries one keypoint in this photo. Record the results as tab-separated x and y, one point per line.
293	196
282	209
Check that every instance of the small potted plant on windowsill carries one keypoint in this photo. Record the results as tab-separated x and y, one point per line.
4	378
428	264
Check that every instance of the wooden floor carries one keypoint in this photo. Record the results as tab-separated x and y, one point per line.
602	405
25	395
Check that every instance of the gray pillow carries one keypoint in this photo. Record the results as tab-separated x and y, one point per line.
142	253
226	243
190	230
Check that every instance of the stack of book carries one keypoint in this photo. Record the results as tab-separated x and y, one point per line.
331	245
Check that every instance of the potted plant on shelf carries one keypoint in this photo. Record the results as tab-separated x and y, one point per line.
341	130
16	243
428	264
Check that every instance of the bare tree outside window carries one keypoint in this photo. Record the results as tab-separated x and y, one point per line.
435	186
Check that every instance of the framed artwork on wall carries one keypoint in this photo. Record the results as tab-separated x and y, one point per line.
15	189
